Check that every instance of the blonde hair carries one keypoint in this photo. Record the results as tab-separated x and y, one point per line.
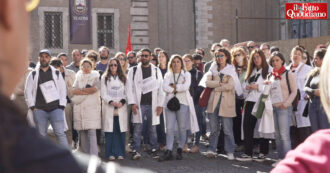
86	60
325	83
125	67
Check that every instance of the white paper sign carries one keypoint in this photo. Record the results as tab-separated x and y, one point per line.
49	91
276	92
148	85
116	92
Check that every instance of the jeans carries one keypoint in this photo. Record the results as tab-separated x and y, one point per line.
227	124
88	141
146	111
282	121
56	119
317	115
180	118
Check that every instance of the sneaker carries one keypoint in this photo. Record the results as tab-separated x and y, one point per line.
120	158
186	148
179	154
244	158
275	164
230	156
167	156
194	149
128	149
211	154
260	158
154	154
205	137
112	158
136	156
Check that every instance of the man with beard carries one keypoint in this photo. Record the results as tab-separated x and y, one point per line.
145	94
45	94
131	57
104	55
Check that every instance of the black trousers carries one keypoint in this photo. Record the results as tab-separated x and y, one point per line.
249	124
237	121
298	135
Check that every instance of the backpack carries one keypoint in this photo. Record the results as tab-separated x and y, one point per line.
34	73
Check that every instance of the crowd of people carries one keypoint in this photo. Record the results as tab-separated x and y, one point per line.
246	95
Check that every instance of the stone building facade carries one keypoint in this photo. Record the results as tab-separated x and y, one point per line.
174	25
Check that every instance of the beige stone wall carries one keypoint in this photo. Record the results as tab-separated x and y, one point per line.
309	43
224	23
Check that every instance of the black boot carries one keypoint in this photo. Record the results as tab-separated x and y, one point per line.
167	156
179	154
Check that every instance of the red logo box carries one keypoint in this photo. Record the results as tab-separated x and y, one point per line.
306	10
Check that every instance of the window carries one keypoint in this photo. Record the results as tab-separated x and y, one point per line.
301	29
53	30
105	36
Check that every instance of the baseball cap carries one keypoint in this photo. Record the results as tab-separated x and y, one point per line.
44	51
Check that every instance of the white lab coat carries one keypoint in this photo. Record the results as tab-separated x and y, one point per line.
134	92
108	111
301	73
31	87
181	88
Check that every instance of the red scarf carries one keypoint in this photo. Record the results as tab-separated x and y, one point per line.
277	73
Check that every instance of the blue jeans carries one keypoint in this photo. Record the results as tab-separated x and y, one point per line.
317	115
227	124
56	119
146	111
282	120
180	117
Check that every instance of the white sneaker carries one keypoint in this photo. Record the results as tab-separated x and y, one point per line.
244	158
230	156
120	158
210	154
112	158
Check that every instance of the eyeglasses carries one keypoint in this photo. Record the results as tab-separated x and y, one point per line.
31	5
113	65
144	56
237	55
130	57
219	56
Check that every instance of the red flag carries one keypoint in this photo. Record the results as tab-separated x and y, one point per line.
129	44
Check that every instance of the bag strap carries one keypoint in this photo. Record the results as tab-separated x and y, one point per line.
287	81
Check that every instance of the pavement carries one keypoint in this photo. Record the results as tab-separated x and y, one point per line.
198	162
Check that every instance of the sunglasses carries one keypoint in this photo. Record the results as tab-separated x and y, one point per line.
219	56
122	59
237	55
113	65
144	56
